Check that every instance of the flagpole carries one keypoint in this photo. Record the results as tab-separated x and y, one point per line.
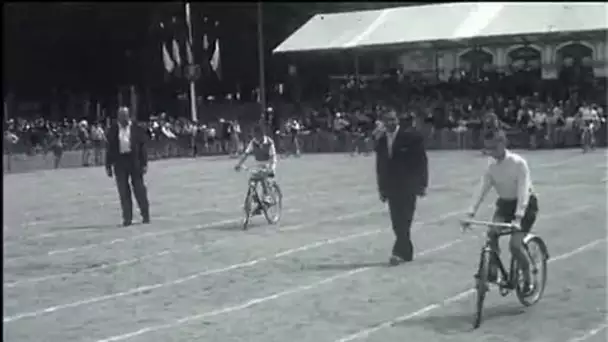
190	64
261	66
6	116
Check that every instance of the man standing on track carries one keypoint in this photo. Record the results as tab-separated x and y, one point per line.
402	176
127	156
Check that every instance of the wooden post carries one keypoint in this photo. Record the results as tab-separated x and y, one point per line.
120	99
98	112
133	102
9	146
261	66
357	75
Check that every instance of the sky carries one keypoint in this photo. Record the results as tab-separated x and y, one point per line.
96	46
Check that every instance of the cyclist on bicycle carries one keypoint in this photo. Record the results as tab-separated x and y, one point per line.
589	121
263	149
509	175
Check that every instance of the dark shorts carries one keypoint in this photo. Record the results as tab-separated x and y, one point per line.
505	209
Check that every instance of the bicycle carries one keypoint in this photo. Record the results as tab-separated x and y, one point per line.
255	204
587	138
513	279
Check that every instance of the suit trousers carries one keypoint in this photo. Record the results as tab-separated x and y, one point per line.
125	170
402	207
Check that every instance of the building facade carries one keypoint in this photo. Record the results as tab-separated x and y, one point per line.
547	57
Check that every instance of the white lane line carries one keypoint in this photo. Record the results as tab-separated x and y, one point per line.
127	262
208	226
261	300
366	332
194	276
111	195
227	205
250	263
589	334
219	223
224	199
90	198
300	195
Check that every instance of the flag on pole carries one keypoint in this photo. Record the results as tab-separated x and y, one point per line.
176	55
189	54
216	60
205	42
167	61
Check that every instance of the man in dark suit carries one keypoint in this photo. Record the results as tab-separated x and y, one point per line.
127	159
402	175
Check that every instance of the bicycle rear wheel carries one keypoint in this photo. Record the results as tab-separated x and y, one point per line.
273	211
248	207
586	140
538	256
481	286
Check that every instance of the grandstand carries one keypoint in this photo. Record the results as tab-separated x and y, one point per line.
496	28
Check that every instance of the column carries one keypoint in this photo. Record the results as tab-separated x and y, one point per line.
501	57
549	62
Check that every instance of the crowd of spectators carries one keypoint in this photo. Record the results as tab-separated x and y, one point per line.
520	102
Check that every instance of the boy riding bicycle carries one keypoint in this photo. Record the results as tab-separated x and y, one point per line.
589	121
509	175
264	151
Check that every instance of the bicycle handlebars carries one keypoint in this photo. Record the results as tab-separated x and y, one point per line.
489	224
505	228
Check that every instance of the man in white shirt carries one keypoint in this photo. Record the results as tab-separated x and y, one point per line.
98	138
402	176
127	161
509	175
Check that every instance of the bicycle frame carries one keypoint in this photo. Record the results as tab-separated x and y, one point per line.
253	201
254	180
509	277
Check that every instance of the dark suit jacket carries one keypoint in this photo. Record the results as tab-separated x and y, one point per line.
406	171
139	152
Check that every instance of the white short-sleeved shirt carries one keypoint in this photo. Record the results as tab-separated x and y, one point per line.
510	177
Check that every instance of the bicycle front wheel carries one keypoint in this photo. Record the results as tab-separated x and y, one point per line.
537	256
273	210
481	286
248	207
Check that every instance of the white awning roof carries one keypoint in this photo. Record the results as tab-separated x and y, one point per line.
454	21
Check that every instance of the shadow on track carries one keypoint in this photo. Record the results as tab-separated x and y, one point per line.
461	322
344	267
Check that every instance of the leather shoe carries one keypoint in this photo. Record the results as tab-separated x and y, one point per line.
395	260
126	223
146	220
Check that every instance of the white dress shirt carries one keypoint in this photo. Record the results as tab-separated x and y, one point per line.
510	177
390	139
124	138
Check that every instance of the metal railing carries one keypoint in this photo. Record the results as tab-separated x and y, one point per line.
326	142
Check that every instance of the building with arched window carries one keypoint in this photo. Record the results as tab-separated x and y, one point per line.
548	39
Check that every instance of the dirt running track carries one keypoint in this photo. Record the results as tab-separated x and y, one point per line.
70	274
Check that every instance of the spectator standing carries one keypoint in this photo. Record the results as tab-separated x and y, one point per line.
98	139
402	176
127	160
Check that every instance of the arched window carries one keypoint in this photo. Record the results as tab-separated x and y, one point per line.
473	61
575	61
574	53
525	58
